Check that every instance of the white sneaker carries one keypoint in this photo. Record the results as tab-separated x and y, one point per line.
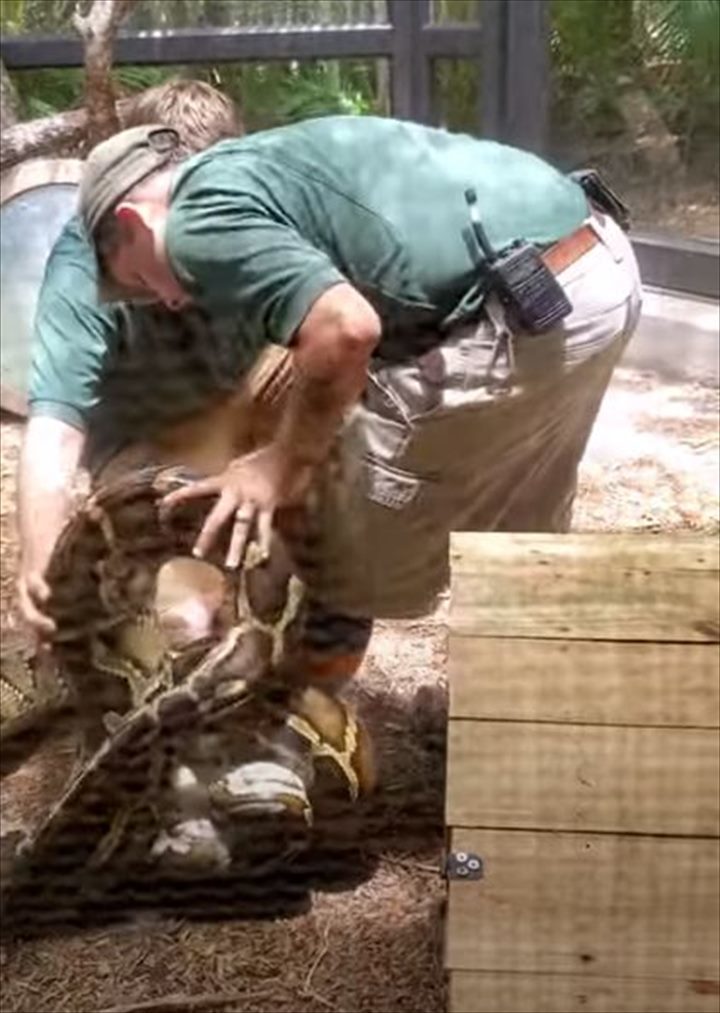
192	845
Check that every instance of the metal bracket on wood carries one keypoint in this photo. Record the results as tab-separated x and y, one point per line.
410	69
464	865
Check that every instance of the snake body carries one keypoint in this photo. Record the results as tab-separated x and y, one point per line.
147	711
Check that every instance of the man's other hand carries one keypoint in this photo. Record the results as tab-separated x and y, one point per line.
33	593
248	491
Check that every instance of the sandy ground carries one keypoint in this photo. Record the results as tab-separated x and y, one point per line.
652	465
652	462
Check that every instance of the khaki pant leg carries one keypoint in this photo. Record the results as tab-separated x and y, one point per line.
450	442
539	492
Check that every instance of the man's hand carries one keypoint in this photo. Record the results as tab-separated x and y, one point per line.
50	456
331	352
250	490
33	593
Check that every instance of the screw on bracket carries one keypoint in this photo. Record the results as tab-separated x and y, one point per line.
464	865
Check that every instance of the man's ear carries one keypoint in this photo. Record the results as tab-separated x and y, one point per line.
131	217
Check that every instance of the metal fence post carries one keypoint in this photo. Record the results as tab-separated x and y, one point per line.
527	74
493	68
515	72
411	70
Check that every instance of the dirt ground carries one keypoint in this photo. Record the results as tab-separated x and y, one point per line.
652	465
688	209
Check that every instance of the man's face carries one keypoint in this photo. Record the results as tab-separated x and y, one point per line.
139	265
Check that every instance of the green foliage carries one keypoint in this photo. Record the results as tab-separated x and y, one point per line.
682	47
130	78
306	97
687	31
269	93
44	92
455	11
56	15
274	93
456	94
669	49
41	16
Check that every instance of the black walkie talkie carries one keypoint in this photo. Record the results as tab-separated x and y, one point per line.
527	288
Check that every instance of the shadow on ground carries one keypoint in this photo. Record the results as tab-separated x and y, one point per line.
403	817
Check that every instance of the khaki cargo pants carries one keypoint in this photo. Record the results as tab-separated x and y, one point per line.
457	441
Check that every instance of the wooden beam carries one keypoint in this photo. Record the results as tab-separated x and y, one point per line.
590	681
679	264
410	67
605	905
214	45
583	777
586	587
584	771
493	992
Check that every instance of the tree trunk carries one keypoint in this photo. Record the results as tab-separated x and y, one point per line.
76	128
47	136
50	135
9	102
97	29
649	133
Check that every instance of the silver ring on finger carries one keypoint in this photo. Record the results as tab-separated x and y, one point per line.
245	515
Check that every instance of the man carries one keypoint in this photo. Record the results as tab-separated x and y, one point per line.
88	391
114	386
349	240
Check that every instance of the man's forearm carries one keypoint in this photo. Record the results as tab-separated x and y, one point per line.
50	457
330	363
312	416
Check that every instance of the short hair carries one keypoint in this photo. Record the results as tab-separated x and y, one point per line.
201	114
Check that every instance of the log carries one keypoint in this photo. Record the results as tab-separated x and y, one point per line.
74	129
9	103
49	135
46	136
97	29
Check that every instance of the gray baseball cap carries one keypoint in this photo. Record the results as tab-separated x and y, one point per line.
115	166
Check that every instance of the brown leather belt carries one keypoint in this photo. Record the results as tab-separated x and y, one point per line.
569	249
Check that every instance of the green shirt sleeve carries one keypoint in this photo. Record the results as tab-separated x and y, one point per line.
239	256
72	333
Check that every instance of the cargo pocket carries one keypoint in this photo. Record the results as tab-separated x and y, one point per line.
388	486
406	545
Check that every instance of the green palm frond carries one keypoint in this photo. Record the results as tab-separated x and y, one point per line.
44	92
686	30
134	78
12	16
308	98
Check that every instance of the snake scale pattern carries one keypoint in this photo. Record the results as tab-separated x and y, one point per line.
165	729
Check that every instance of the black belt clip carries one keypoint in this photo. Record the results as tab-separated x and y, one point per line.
602	196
